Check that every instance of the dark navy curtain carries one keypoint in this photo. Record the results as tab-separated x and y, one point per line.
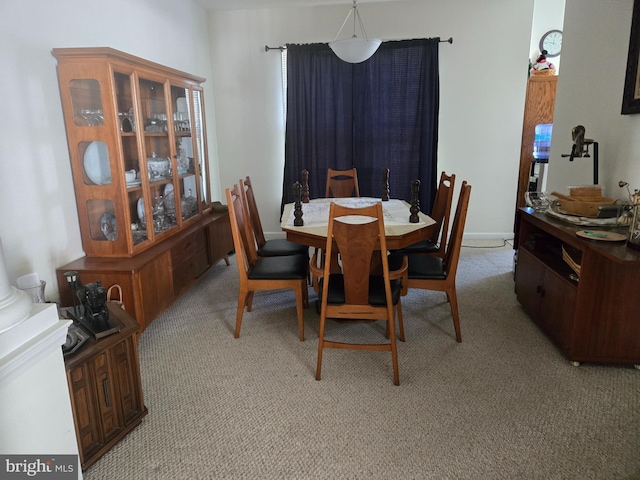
382	113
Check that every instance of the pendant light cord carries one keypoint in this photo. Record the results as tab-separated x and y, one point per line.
356	14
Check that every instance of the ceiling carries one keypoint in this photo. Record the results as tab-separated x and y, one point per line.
254	4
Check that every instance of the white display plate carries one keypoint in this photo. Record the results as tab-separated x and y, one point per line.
96	163
141	215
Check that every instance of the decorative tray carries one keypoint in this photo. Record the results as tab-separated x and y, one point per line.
555	211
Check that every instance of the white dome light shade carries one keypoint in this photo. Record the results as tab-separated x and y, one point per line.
354	49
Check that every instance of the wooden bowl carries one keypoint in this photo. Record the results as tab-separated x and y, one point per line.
584	209
586	191
595	198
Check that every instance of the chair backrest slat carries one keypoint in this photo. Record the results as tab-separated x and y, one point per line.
240	230
452	254
252	207
342	183
441	210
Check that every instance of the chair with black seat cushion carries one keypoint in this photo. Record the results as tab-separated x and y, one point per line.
430	272
342	183
359	291
441	211
274	247
263	273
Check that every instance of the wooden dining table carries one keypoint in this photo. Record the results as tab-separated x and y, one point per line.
400	232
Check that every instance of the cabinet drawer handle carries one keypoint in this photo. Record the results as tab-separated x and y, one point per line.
539	289
105	390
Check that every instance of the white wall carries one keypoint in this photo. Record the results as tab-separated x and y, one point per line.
595	47
483	81
38	219
547	15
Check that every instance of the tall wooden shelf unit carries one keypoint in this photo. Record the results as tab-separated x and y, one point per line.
538	108
153	234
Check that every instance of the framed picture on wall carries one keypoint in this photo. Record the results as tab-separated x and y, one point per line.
631	95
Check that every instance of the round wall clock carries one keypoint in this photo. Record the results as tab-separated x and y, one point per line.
551	42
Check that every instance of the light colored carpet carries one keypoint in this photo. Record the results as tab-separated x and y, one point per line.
503	404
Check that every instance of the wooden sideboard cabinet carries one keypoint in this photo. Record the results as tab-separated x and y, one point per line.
590	318
153	280
105	388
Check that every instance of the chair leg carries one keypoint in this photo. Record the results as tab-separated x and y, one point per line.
453	299
394	350
320	346
400	321
300	302
249	301
314	279
400	324
305	292
242	301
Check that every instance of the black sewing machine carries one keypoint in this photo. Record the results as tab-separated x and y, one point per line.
92	312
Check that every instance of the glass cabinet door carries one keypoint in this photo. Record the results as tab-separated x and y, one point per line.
155	208
86	102
127	125
188	131
95	159
203	173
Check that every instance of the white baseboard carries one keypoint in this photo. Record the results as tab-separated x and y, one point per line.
467	236
488	236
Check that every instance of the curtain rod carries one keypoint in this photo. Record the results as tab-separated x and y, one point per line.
284	47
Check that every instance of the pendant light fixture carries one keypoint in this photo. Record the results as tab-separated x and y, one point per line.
354	49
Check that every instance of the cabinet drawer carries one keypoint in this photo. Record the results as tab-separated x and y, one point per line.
185	273
188	247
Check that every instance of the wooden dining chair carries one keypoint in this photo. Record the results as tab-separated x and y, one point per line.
274	247
358	293
431	272
441	212
263	273
342	183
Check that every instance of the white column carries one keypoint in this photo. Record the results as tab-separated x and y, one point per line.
5	286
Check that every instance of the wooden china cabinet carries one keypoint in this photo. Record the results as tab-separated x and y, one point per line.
137	144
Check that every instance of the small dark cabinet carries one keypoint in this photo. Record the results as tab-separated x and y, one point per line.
105	388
